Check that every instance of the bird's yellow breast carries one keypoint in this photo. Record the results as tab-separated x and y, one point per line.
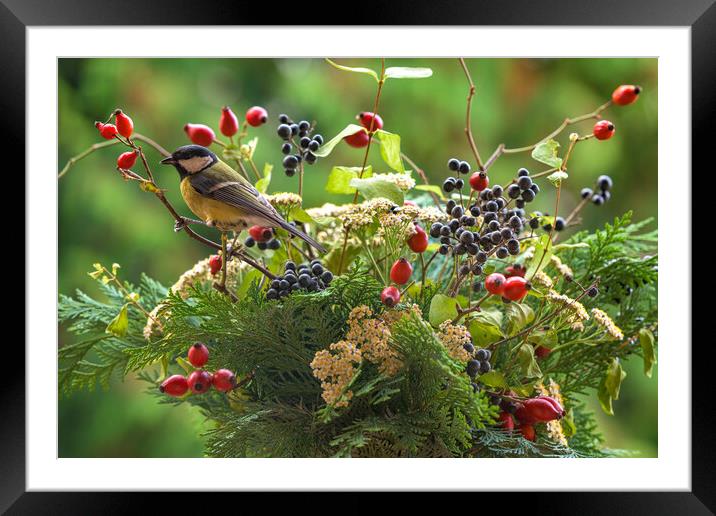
211	211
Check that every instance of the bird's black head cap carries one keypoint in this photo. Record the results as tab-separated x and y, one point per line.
190	159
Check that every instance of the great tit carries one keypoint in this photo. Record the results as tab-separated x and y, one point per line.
221	197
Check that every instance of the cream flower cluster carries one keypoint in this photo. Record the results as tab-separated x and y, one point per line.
335	368
576	310
454	337
372	336
603	320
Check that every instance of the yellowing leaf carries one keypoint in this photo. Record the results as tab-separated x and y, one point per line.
118	326
339	180
546	152
390	150
366	71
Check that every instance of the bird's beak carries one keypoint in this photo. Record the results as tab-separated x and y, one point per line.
169	160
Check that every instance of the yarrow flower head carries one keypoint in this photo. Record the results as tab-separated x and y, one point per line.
563	269
577	312
603	320
454	337
372	336
284	200
335	368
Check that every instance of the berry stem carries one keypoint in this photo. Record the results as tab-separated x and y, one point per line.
422	175
365	156
474	308
468	124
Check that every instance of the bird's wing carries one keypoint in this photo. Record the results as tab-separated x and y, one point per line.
232	189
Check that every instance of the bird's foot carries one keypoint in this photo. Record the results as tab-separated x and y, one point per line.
185	221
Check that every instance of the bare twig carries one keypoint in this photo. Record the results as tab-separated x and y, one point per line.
468	123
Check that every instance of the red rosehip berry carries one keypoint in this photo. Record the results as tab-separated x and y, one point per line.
401	271
215	264
256	116
479	181
495	283
418	242
390	296
506	421
126	160
358	140
107	131
175	385
200	134
603	130
198	355
528	432
224	380
626	94
228	123
199	381
539	410
125	126
515	270
260	233
542	351
515	288
367	118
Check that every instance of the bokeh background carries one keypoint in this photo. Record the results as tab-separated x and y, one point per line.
518	102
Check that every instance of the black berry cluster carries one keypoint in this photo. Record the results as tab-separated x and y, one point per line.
455	183
522	190
299	146
263	238
310	277
602	192
480	361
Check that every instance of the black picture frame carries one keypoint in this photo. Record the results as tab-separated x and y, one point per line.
700	15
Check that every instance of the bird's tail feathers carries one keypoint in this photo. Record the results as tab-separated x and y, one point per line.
303	236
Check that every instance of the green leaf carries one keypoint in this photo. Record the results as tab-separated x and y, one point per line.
557	177
263	183
605	400
546	152
493	379
185	365
390	150
300	215
431	188
340	178
528	364
519	315
367	71
118	326
646	341
485	328
407	72
325	149
614	378
543	247
248	278
376	186
568	426
442	308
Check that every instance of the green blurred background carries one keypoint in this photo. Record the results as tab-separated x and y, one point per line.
518	102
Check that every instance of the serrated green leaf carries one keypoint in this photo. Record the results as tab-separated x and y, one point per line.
325	149
484	328
263	183
340	178
557	177
390	150
407	72
432	188
493	379
519	315
442	308
527	362
646	341
367	71
615	376
376	186
118	326
546	152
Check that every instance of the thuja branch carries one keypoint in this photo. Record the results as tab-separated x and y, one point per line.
468	122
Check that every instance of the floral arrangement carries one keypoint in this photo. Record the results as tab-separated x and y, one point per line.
443	321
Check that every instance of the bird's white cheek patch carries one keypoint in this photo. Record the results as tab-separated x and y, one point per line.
195	164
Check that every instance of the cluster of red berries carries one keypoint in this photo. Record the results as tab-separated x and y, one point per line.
305	148
199	381
514	288
123	126
310	277
602	193
528	413
402	270
204	135
372	123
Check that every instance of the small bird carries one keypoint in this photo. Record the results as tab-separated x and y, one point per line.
221	197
